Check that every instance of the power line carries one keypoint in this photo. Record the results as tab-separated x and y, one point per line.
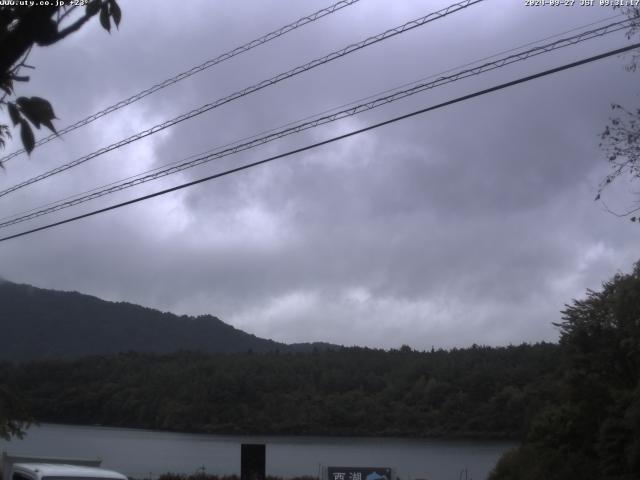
254	142
331	140
248	90
333	109
192	71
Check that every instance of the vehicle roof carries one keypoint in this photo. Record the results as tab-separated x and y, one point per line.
66	470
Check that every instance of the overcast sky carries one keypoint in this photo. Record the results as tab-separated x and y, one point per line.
472	223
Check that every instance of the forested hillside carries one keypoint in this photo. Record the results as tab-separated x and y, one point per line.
591	428
480	391
48	324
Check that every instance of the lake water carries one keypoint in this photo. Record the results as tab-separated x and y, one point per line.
146	454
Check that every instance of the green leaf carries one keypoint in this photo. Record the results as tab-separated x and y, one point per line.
44	112
46	32
6	85
92	8
4	132
44	108
38	110
104	17
116	13
13	113
28	111
26	134
49	125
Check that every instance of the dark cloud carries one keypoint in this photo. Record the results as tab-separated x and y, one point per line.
474	223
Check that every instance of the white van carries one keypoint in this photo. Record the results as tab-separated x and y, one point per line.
30	468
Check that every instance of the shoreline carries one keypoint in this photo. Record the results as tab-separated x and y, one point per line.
324	436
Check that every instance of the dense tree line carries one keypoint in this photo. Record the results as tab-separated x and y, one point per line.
479	391
592	428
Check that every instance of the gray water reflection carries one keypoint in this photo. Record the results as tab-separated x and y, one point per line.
143	453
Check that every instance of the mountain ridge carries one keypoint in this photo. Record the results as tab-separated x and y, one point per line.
40	323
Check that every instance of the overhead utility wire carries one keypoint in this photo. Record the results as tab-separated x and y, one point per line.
333	109
192	71
453	69
138	180
330	140
208	156
248	90
368	97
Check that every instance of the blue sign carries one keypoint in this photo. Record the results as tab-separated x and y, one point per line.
358	473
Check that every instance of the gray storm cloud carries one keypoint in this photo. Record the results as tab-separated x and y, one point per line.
474	223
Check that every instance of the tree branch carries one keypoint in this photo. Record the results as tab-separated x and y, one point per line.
68	30
620	215
67	12
14	45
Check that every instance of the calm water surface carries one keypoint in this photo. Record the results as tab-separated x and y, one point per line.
143	453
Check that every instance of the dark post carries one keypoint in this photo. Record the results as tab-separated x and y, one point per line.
253	461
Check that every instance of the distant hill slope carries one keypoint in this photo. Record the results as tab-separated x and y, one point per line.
47	324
